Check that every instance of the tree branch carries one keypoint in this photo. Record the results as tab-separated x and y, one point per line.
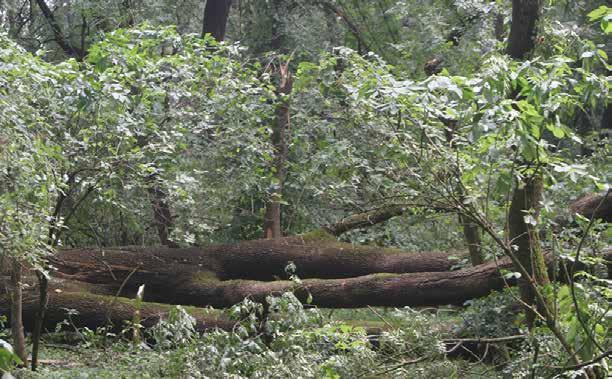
60	38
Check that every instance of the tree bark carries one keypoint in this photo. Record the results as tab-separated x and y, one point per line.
471	232
383	289
315	255
526	204
525	16
16	312
272	219
594	205
365	219
162	216
97	304
216	13
60	37
88	280
527	195
93	311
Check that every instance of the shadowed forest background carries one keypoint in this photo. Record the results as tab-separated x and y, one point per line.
309	189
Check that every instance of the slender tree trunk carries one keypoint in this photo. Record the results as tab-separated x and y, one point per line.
16	293
523	234
59	36
162	216
129	17
216	13
272	218
43	298
526	199
471	232
498	26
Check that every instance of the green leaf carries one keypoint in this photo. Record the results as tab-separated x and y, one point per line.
606	26
602	54
556	131
598	13
8	359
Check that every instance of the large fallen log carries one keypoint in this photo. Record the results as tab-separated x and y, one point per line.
594	205
83	309
315	255
334	275
97	304
383	289
199	289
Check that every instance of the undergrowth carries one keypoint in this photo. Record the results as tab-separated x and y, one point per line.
297	341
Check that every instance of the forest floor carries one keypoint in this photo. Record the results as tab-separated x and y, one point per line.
86	354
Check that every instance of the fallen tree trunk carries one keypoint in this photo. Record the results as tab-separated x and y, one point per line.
343	276
594	206
83	309
315	255
383	289
96	303
598	205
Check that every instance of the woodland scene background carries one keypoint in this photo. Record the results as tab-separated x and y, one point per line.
309	189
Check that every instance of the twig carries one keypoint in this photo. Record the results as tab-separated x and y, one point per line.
606	354
398	366
583	322
486	340
381	317
110	305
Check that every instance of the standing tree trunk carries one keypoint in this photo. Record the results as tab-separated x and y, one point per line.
16	293
525	15
528	193
526	205
216	13
272	218
471	232
498	27
162	216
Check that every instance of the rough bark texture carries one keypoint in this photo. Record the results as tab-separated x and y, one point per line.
162	216
471	232
216	14
98	283
594	206
272	218
527	195
395	290
526	204
316	255
94	298
525	15
16	312
95	311
365	219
